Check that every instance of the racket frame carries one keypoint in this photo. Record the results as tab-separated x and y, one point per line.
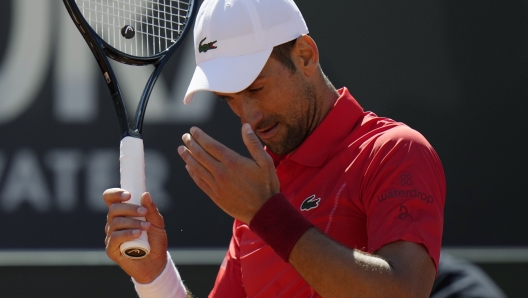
135	161
102	51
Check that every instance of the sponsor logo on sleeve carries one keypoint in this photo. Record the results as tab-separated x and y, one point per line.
406	179
399	193
404	214
407	193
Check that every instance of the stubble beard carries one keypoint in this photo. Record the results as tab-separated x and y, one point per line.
292	138
297	123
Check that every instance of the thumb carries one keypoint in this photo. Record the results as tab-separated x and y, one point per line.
253	144
153	216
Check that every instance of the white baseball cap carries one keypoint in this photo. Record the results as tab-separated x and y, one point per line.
233	40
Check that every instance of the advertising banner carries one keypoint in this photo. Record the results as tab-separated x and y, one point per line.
59	136
455	73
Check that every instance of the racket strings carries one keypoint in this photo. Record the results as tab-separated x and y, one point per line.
106	24
156	24
103	6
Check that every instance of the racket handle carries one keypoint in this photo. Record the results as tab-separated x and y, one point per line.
132	168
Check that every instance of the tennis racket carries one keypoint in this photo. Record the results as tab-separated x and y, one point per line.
134	32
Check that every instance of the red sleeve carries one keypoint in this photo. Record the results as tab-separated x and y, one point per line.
404	192
229	279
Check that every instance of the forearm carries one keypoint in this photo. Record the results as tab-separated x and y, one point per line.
334	270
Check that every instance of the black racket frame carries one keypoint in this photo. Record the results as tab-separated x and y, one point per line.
101	50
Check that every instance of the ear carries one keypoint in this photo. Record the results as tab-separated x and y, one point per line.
306	55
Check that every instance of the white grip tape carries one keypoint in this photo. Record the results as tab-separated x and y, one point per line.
132	168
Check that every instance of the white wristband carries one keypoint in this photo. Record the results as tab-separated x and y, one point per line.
167	285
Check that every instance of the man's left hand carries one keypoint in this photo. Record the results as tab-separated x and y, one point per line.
238	185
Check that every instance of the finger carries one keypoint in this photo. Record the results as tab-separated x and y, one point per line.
254	146
200	182
194	151
214	148
115	239
127	223
125	210
194	166
152	215
207	190
115	195
156	232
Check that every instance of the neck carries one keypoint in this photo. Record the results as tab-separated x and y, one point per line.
327	95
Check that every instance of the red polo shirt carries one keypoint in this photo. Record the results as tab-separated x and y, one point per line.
363	180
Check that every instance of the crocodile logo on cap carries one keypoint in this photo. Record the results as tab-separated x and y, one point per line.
203	48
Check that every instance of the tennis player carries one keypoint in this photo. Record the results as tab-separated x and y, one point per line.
339	203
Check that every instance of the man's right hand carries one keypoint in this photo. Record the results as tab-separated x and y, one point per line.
121	228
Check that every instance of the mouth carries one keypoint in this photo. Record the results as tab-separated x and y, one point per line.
267	132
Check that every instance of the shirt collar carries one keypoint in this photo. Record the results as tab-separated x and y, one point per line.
336	125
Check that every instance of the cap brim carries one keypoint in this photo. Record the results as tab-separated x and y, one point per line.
227	74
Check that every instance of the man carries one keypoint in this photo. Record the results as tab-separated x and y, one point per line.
340	203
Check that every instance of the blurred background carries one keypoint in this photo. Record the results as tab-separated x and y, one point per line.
457	71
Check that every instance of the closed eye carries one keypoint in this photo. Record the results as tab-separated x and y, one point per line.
255	90
222	98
